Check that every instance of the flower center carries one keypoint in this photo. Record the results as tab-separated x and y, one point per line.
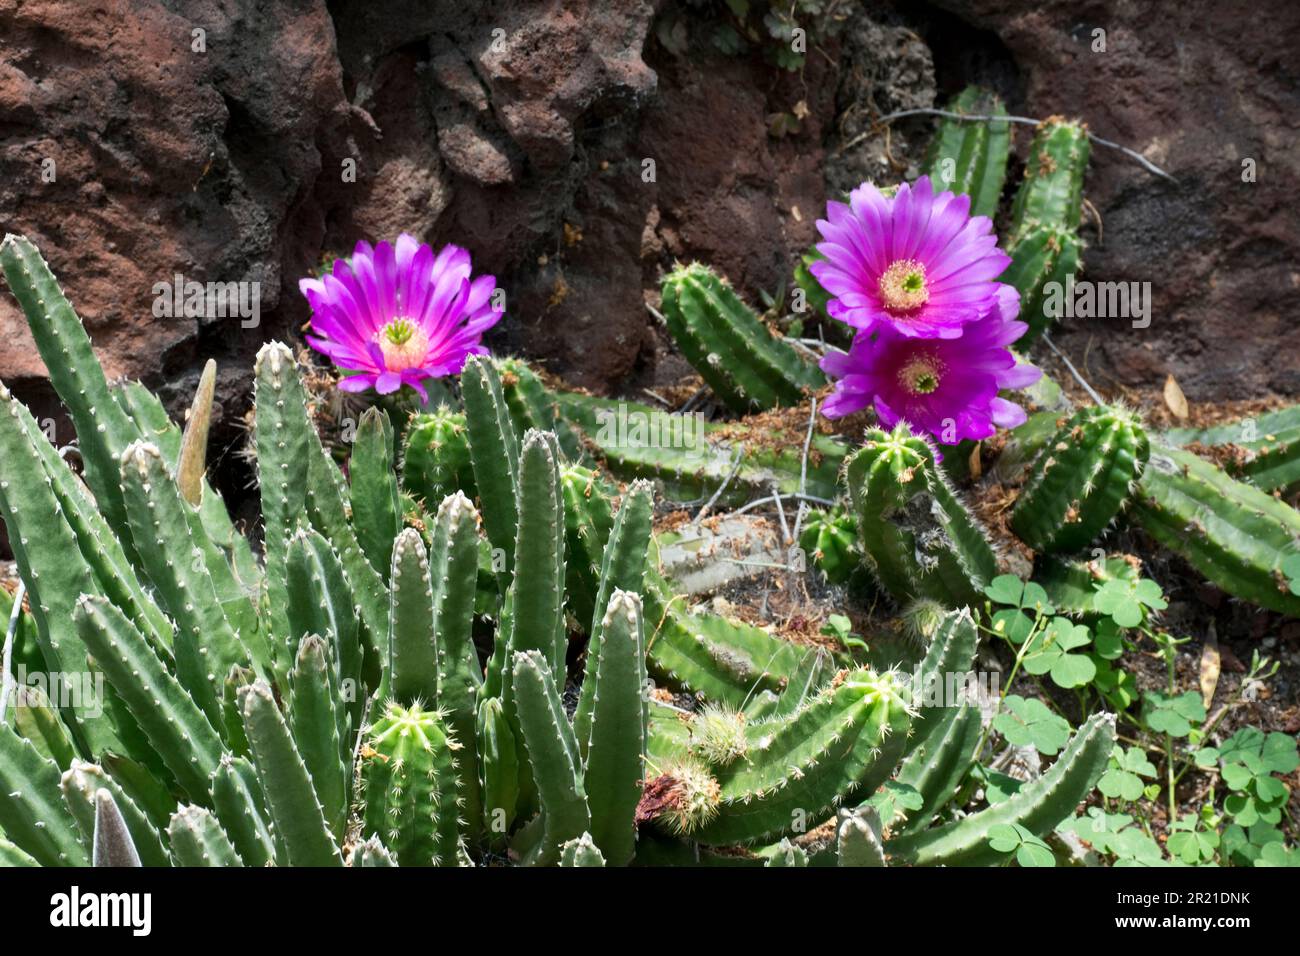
902	286
921	376
404	344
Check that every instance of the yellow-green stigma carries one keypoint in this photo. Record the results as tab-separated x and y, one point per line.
902	286
404	344
921	376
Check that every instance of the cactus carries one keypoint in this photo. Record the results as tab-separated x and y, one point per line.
746	365
830	539
920	540
1038	806
1263	451
1044	242
971	157
692	459
411	786
436	459
1081	479
1231	532
798	767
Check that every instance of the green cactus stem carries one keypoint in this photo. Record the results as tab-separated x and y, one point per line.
970	157
1263	451
1234	534
919	539
436	459
747	366
1081	479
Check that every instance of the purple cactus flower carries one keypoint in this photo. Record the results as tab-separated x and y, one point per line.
916	264
397	314
946	387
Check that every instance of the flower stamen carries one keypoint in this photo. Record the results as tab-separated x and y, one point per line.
921	376
902	286
404	343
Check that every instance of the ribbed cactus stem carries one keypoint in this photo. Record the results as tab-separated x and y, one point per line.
436	460
1233	533
747	365
412	787
970	157
919	538
1081	479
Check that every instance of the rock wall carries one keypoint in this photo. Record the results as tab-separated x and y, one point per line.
524	131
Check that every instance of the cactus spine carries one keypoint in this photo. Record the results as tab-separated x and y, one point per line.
920	540
436	459
1081	479
745	364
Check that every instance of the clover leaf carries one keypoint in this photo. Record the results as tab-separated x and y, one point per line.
1173	714
1029	849
1123	776
1030	723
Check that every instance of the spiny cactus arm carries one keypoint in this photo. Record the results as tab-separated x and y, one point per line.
588	520
103	429
412	670
371	852
1231	532
31	813
412	795
314	722
1081	479
453	566
321	602
971	156
112	843
581	851
724	661
799	767
37	721
376	500
81	784
280	433
668	736
921	541
745	364
1052	191
205	645
237	801
618	726
494	451
290	794
145	787
43	546
623	567
1041	253
533	405
303	475
1038	806
177	729
197	839
815	668
538	580
786	854
638	441
1263	451
12	855
951	654
552	754
498	755
858	840
435	459
938	766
